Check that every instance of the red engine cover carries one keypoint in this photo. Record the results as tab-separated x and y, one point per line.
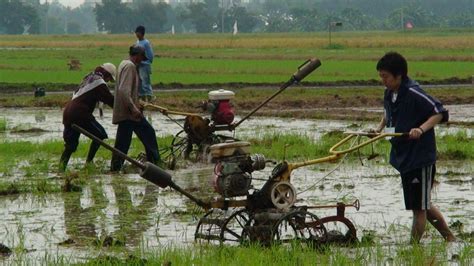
224	114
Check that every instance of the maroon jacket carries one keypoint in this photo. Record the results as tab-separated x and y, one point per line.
81	108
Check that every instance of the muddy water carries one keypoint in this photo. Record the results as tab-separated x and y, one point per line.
44	124
138	214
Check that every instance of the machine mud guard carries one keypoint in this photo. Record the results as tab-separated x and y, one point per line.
156	175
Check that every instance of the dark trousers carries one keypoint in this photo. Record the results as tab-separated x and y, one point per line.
71	141
144	132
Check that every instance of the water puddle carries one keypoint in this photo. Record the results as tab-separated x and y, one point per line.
129	212
39	124
136	213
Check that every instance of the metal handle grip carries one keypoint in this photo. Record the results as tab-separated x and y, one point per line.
306	68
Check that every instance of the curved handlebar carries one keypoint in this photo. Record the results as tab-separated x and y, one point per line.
335	154
373	138
165	110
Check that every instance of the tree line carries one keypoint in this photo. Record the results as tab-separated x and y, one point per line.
207	16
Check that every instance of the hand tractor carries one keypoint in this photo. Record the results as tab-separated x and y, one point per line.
266	215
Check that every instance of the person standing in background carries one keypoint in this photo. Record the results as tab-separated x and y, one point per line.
145	92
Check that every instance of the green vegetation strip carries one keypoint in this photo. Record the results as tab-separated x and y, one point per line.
272	145
25	159
247	58
3	124
433	253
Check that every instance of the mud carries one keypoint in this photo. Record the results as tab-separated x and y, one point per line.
22	87
126	212
38	124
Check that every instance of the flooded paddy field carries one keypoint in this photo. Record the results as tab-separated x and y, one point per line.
125	212
36	124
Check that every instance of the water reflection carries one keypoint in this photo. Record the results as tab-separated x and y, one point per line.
133	219
40	117
139	214
80	221
52	124
116	210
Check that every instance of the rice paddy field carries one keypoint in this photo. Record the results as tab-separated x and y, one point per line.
90	216
247	58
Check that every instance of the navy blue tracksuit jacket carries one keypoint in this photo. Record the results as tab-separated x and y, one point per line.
410	110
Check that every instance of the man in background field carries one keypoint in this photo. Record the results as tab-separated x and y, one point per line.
144	68
127	111
92	90
409	109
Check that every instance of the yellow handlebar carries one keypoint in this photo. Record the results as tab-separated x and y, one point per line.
335	154
165	110
374	137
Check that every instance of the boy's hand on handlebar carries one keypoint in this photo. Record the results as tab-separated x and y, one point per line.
415	133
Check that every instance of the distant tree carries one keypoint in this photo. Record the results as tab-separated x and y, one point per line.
153	16
183	21
355	19
114	16
305	19
276	6
15	16
84	15
414	14
204	16
278	21
462	20
246	21
74	28
55	26
170	18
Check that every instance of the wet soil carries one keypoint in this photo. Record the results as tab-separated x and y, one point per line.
25	87
124	211
35	124
358	105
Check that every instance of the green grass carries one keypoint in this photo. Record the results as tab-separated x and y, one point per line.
247	58
301	147
456	147
43	157
36	161
3	124
433	253
211	71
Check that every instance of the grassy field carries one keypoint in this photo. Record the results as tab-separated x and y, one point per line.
38	160
434	253
246	58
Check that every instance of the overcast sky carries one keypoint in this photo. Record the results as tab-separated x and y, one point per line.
71	3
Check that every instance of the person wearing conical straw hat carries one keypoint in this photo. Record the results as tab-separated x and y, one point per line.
79	110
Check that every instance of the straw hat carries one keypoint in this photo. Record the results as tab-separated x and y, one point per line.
109	67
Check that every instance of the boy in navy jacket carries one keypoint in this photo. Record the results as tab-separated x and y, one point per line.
409	109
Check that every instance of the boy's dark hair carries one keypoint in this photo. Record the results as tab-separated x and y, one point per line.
394	63
140	29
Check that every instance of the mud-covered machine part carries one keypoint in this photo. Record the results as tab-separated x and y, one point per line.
199	133
244	214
